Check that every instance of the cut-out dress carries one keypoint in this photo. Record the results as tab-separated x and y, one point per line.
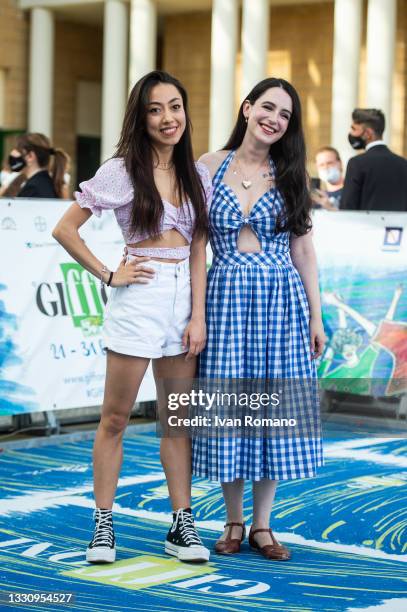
258	328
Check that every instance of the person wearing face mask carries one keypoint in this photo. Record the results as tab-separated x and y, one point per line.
42	166
377	179
329	166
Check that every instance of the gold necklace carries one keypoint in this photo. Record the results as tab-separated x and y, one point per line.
165	165
246	182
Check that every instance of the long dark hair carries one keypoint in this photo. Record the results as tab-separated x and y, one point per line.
289	156
41	146
136	149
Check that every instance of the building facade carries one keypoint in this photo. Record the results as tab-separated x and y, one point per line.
66	66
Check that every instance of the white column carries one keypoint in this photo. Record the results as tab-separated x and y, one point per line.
114	85
41	77
143	39
223	62
2	97
345	77
255	38
381	40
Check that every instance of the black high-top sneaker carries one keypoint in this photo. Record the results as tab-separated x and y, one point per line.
102	548
183	540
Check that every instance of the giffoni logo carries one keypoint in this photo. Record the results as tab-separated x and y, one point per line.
78	296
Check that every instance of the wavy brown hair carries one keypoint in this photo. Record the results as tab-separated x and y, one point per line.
41	146
289	156
136	149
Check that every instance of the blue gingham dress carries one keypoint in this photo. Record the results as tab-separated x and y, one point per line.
258	328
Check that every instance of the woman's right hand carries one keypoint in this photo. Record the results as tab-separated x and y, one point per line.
132	272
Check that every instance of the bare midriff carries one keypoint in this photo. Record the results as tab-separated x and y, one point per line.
170	239
247	241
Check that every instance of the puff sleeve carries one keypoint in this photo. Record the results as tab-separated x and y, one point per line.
205	177
110	188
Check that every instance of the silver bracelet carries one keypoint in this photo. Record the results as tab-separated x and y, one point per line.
102	282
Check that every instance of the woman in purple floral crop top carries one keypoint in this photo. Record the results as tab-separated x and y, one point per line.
157	304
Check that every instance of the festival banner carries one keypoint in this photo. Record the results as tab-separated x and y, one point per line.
51	311
362	259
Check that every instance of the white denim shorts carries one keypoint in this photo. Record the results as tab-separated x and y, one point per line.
149	320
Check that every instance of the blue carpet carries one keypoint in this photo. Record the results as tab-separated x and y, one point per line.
346	529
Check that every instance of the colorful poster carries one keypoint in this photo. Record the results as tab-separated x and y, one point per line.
362	261
51	311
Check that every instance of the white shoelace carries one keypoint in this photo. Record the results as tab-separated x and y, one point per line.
103	529
187	527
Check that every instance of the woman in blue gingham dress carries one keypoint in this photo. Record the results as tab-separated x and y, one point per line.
258	314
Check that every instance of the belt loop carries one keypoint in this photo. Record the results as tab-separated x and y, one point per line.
157	267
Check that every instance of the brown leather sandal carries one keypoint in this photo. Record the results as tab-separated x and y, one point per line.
275	551
230	546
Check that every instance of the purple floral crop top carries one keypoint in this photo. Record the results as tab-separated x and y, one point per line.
111	189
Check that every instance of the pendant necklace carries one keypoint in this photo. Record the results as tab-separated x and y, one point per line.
247	182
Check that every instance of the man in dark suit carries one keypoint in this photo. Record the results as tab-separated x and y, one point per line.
376	180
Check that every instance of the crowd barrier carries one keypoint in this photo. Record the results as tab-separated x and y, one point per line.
51	309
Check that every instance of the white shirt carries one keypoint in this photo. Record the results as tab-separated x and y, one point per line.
374	144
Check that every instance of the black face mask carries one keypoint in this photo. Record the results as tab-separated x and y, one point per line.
16	163
356	142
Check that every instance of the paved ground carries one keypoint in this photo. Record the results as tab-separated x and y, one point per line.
346	530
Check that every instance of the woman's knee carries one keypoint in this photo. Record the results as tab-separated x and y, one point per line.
114	423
